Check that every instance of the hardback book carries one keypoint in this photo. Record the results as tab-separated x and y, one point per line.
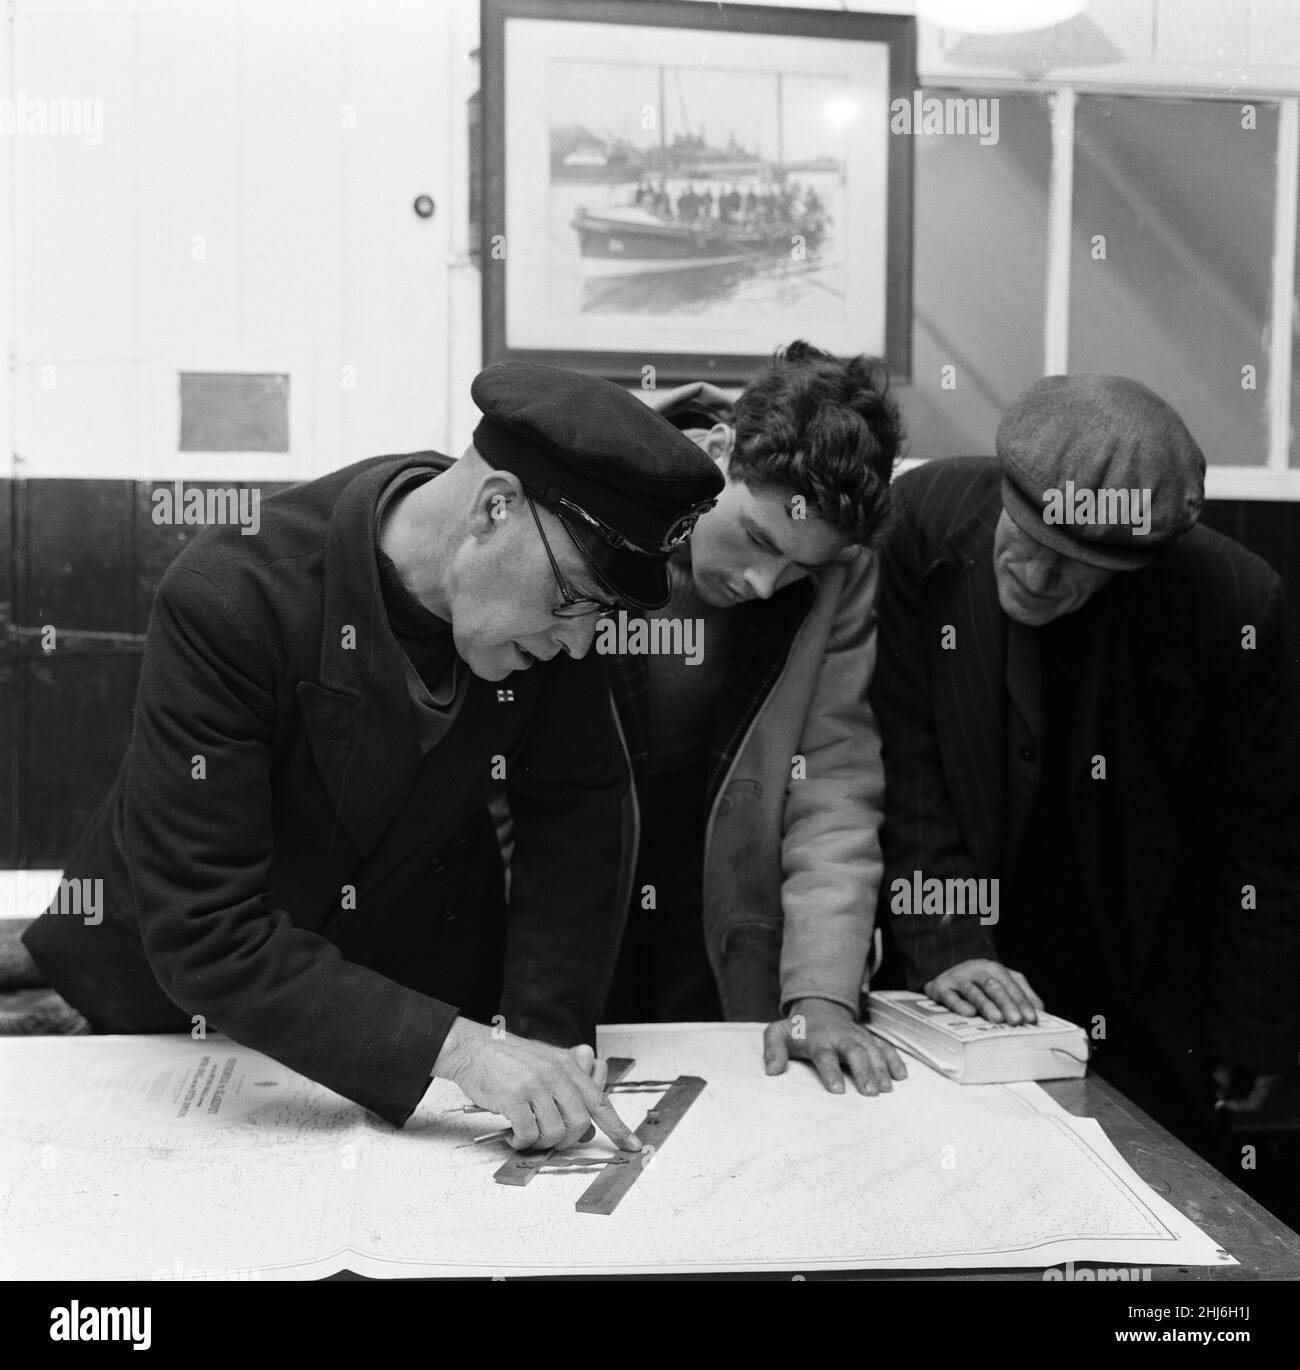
973	1051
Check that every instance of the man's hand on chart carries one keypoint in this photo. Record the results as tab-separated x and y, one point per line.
987	988
551	1096
825	1033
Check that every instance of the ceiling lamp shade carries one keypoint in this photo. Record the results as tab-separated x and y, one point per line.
999	16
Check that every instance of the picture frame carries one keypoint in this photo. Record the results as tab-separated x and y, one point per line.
672	190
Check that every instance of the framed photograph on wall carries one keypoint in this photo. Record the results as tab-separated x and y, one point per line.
685	186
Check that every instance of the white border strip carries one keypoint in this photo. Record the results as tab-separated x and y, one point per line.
1221	482
1060	217
1281	324
8	271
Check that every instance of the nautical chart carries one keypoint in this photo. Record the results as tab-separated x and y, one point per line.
163	1158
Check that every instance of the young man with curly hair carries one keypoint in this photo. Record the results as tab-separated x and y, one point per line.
752	856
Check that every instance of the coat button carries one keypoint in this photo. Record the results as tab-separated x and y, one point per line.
1028	753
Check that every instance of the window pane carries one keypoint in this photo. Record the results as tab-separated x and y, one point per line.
1171	262
980	276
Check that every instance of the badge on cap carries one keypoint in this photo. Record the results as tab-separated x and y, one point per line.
676	533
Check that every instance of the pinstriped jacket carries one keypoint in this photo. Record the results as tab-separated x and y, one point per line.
1198	822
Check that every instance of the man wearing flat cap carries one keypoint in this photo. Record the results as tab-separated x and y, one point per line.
1086	705
297	851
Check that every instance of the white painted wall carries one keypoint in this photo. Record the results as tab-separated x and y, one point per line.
249	208
6	262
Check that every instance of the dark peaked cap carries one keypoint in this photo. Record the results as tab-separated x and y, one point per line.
580	439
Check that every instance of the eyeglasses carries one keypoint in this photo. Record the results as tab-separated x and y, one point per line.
572	606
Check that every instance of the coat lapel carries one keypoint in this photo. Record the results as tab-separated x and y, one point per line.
968	682
359	718
763	633
629	680
1024	677
1143	707
1133	675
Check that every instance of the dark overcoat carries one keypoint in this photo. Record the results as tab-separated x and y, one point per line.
280	864
1189	847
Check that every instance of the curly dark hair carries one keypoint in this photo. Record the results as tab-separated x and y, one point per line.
825	428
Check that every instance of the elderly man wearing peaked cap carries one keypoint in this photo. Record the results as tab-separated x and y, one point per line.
297	850
1085	700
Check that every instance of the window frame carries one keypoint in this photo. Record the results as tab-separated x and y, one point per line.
1275	478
